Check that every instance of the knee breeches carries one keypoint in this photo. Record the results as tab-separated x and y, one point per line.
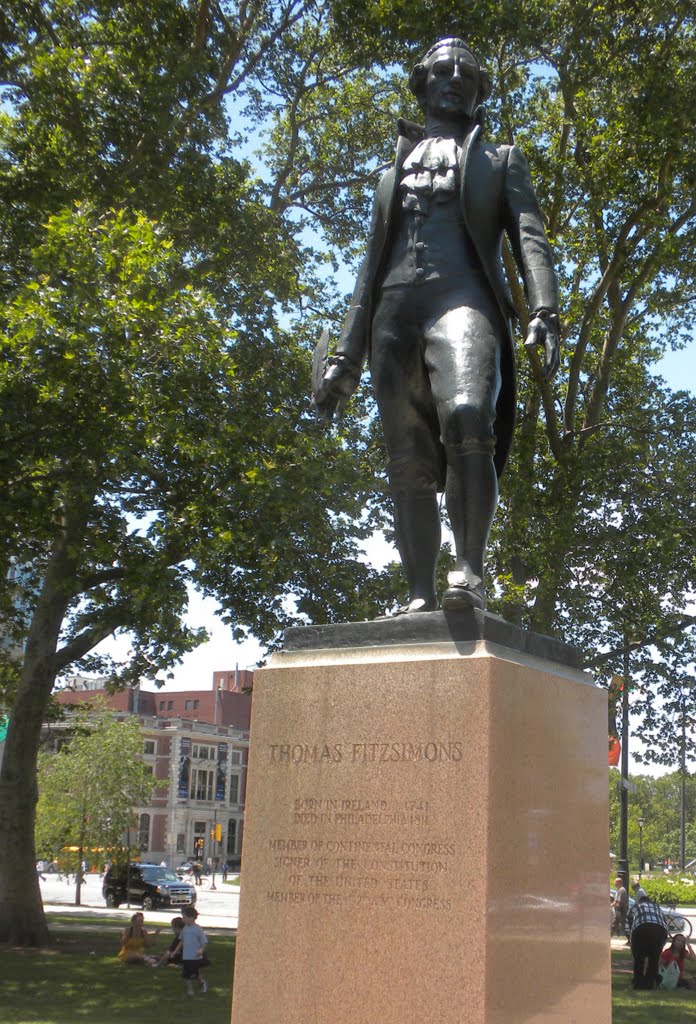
436	375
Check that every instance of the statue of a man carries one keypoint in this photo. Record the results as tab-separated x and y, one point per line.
432	312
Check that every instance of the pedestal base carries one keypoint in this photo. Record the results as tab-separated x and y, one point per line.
426	841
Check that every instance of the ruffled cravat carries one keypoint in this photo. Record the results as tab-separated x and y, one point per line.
429	174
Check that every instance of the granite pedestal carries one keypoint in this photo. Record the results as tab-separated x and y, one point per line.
426	830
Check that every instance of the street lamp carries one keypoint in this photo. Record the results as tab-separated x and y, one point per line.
641	822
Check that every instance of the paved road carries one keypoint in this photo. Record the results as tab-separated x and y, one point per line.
219	909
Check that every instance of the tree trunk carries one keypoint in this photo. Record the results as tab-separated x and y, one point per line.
22	920
566	487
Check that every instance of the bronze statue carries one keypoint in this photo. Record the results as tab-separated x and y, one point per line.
432	313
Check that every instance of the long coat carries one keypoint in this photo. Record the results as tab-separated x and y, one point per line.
496	197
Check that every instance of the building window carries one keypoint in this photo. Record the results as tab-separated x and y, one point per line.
234	789
202	783
196	705
236	757
180	843
170	705
232	837
144	832
187	705
203	753
149	747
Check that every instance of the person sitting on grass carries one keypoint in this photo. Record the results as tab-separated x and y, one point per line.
172	955
192	946
679	951
135	940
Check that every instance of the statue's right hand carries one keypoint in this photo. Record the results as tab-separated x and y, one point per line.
339	382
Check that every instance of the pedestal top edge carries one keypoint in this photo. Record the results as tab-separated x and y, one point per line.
409	653
431	628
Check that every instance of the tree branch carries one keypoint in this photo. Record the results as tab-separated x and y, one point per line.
598	398
201	23
294	140
325	186
223	85
98	579
610	277
654	639
83	644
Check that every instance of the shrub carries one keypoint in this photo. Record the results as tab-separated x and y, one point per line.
670	890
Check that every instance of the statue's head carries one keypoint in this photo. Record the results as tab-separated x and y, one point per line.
448	81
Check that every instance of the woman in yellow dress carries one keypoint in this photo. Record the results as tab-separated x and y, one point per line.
135	940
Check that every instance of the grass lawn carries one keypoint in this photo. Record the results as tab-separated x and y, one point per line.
631	1007
78	978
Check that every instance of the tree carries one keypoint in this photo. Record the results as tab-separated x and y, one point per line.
153	374
89	788
658	802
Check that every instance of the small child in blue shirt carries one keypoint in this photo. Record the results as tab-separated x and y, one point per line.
192	946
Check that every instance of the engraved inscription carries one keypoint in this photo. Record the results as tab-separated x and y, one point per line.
429	752
340	868
352	811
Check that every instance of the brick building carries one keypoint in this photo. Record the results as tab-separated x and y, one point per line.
196	742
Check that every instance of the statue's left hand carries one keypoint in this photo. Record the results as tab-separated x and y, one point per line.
543	332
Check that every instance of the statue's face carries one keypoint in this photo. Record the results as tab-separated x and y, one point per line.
452	82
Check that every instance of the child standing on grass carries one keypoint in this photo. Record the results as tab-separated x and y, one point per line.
192	945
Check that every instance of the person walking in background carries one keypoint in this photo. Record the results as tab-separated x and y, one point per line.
224	869
648	936
620	906
193	943
638	890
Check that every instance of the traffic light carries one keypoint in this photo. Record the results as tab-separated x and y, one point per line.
218	833
212	834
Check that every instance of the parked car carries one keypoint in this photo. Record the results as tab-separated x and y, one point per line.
151	885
